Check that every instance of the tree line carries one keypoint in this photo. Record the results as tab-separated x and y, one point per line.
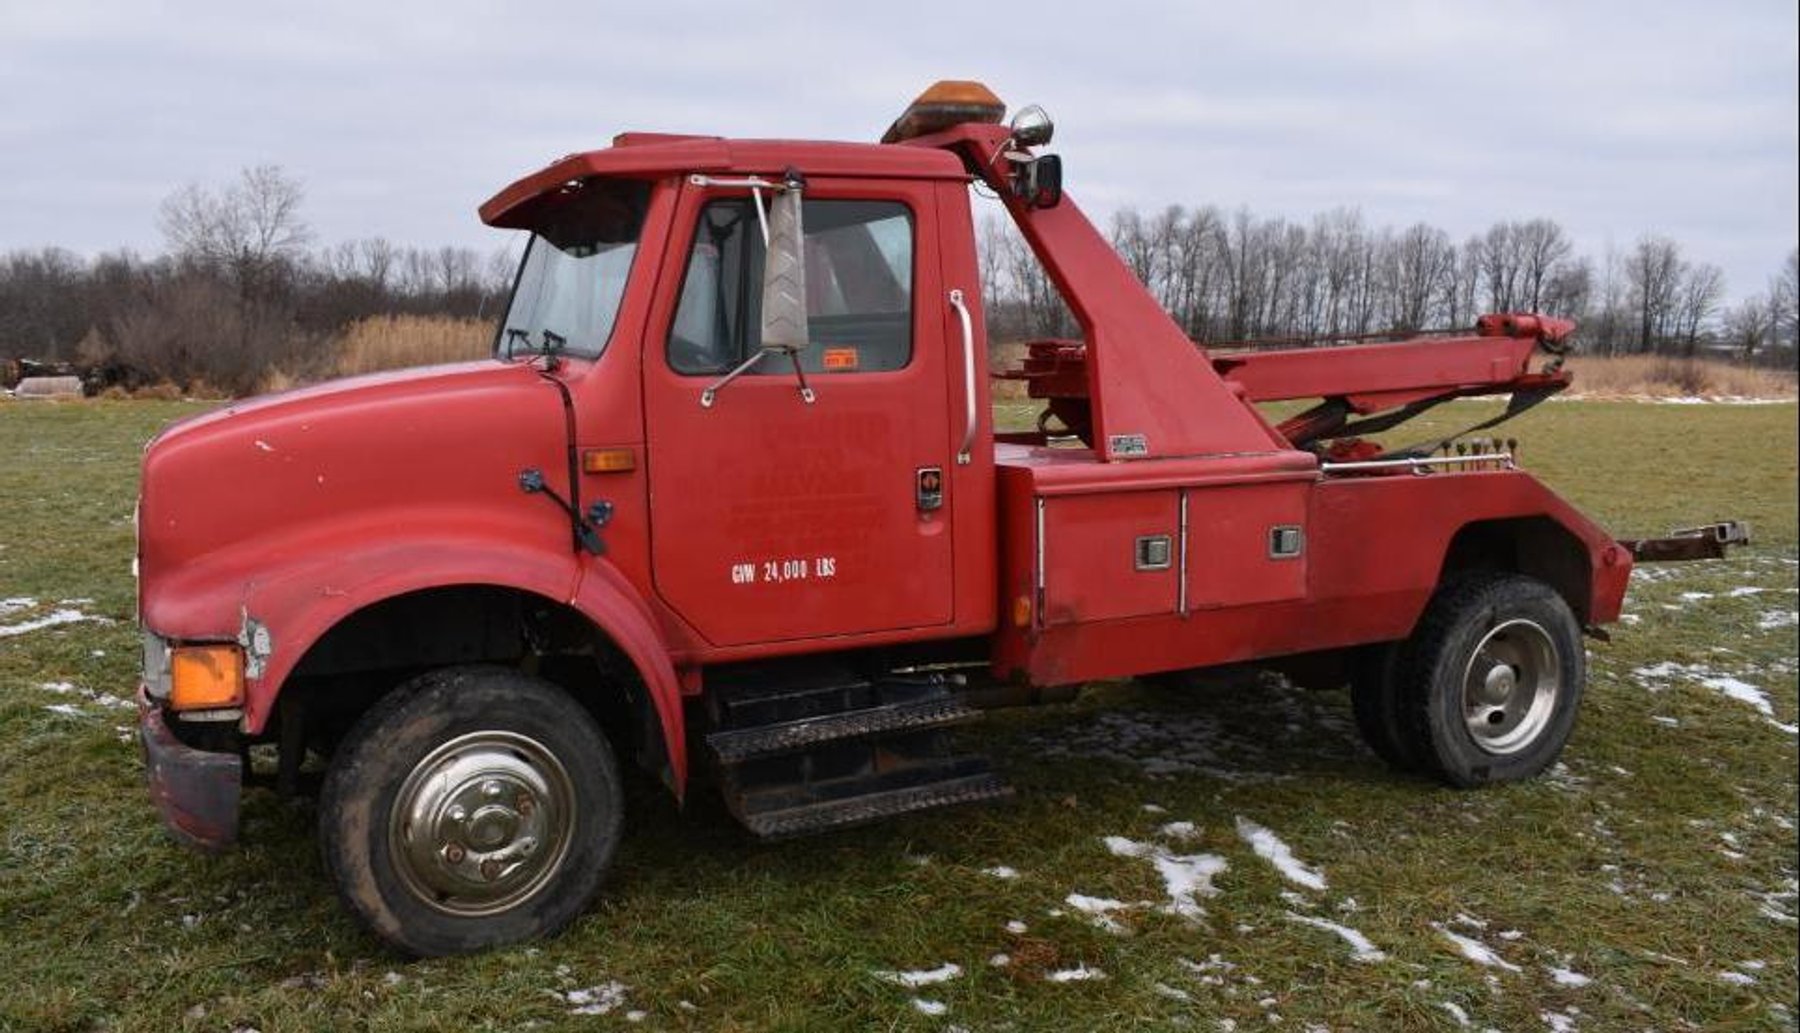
1228	277
243	290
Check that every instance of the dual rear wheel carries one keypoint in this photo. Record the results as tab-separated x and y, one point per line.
1486	689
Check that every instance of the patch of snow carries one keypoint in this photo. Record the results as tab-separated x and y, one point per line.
1668	722
1456	1012
1179	830
1774	619
1172	993
66	709
1736	978
1469	920
1743	590
1079	974
999	960
1016	927
1476	951
929	1007
1099	910
1509	935
636	1016
55	618
1151	808
1361	947
1001	871
16	604
1185	876
924	977
1270	848
1567	976
1694	597
1558	1022
599	999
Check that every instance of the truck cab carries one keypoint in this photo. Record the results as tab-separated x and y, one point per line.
728	501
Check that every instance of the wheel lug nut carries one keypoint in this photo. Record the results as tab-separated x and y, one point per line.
490	789
490	869
457	814
454	853
526	804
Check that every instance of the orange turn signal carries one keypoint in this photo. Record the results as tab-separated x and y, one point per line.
206	677
1021	614
608	460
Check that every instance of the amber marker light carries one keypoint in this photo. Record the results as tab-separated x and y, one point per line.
1021	611
949	102
206	677
608	460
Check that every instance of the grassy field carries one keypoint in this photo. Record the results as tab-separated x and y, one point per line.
1648	883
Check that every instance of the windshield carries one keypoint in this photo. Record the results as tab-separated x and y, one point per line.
573	276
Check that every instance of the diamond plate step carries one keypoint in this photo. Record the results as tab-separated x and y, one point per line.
871	807
743	744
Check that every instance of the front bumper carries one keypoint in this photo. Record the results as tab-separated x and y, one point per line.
197	791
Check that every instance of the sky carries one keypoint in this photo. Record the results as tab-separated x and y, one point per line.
1615	119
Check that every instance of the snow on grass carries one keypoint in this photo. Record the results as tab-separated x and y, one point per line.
1001	871
16	604
1736	978
923	977
54	618
1476	951
1172	993
1185	876
1456	1012
1773	620
1016	927
1559	1022
1270	848
1724	684
932	1008
1099	910
1361	947
1567	976
1079	974
599	999
1179	830
63	688
66	710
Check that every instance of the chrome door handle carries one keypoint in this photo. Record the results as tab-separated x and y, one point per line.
963	454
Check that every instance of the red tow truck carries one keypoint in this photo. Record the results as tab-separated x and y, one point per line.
729	497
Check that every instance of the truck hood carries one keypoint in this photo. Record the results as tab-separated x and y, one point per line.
226	493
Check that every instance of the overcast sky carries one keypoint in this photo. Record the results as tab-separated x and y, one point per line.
1615	119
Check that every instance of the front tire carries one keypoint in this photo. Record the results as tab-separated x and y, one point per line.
1491	680
470	808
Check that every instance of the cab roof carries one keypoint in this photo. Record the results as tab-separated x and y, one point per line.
652	155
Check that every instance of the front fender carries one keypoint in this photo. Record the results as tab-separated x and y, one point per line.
279	611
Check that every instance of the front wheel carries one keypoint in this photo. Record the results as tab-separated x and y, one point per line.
472	807
1491	680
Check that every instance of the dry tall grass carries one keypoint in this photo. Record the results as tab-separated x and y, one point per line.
1658	376
394	342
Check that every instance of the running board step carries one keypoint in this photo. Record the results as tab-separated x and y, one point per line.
864	809
740	744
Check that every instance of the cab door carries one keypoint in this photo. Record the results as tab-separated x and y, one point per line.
774	518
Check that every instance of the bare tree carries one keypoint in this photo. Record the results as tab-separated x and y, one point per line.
1784	301
247	230
1698	297
1654	271
1541	246
1749	326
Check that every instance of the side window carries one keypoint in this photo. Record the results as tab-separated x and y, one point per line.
859	260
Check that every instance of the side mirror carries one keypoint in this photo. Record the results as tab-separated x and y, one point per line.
784	326
1038	182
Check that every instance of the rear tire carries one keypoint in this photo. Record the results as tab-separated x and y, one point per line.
471	807
1490	682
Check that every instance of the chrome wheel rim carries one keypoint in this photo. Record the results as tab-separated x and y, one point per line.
1510	687
482	823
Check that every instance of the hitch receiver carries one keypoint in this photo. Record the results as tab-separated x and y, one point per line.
1689	543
